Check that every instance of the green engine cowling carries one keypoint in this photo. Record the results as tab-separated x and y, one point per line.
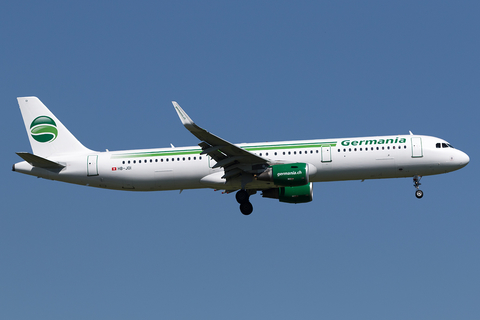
298	194
289	175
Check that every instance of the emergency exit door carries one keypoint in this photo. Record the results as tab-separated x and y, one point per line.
92	166
326	154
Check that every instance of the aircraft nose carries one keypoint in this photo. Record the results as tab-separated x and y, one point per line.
463	159
466	158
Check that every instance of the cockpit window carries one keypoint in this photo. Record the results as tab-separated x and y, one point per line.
444	145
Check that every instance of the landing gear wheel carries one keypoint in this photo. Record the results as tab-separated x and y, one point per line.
246	208
419	194
416	184
242	196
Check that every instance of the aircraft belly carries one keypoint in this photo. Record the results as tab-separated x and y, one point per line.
215	181
358	168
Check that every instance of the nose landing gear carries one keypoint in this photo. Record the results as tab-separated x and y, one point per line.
419	194
416	184
242	197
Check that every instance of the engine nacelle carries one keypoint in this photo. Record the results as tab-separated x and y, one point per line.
299	194
290	174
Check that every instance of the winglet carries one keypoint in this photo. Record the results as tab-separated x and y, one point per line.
182	115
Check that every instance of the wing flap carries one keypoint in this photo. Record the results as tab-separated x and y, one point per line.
208	150
227	161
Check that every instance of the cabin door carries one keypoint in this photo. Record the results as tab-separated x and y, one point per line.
417	151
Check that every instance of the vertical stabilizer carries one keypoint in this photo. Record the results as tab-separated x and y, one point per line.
47	135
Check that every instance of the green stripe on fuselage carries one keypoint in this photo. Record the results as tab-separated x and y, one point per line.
157	154
175	152
290	146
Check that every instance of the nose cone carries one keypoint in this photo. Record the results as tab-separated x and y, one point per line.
456	160
463	159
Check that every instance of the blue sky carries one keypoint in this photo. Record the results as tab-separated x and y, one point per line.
248	71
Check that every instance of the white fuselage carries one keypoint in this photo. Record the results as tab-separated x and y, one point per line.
185	168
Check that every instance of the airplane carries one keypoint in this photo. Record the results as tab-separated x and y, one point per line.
280	170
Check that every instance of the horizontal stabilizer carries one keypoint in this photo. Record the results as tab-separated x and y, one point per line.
40	162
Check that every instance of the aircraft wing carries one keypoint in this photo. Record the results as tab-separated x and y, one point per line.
232	158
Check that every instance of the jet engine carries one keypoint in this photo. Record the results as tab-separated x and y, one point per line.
289	175
299	194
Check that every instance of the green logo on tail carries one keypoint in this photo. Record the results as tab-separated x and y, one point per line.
43	129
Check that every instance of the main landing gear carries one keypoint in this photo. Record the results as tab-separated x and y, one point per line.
416	184
243	197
